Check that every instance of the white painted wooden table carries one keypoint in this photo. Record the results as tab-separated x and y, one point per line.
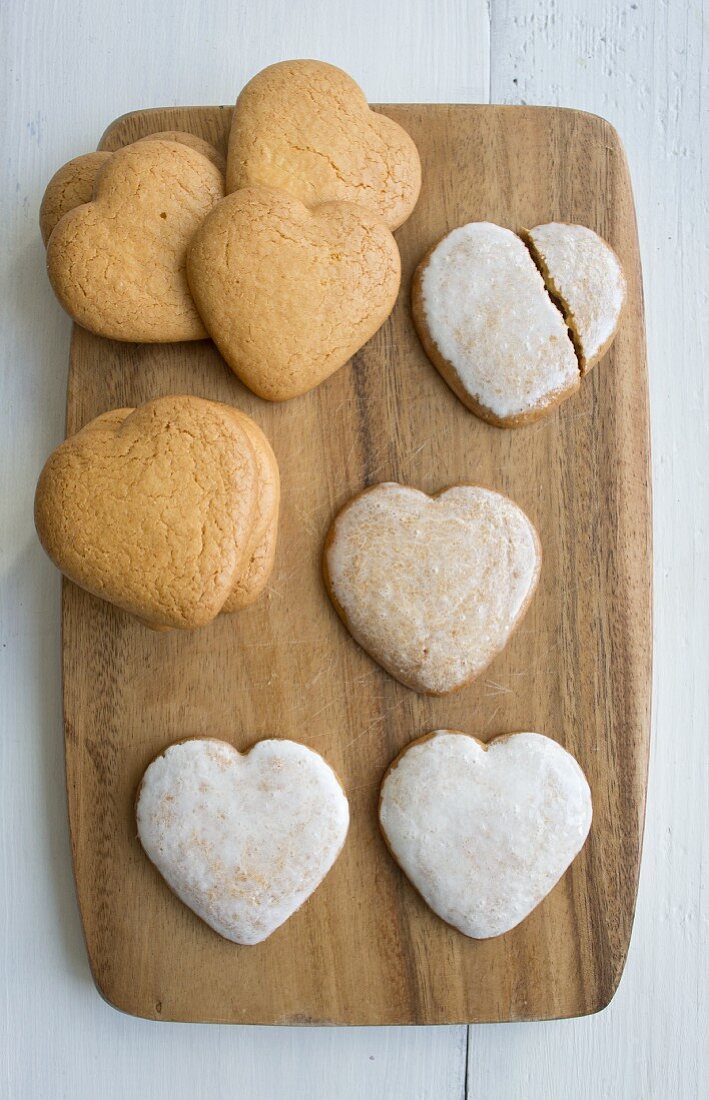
70	66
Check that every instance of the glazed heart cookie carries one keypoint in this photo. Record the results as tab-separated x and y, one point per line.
305	127
243	840
431	587
501	334
117	263
584	276
159	509
289	294
484	831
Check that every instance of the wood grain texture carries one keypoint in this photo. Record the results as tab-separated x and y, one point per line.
365	949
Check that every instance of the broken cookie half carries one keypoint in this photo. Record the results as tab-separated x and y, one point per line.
512	322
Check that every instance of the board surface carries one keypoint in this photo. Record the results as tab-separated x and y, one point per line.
365	949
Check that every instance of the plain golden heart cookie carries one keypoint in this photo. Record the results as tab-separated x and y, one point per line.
71	185
431	587
484	832
117	263
153	508
242	839
305	127
289	294
489	307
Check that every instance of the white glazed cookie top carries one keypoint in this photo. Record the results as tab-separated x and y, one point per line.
586	274
488	313
482	834
242	839
432	587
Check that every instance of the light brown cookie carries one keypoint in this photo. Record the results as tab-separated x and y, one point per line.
253	577
117	263
289	294
193	142
431	587
305	127
71	185
584	276
153	509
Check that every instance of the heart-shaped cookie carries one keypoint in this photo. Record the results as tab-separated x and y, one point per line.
153	509
305	127
584	275
289	294
484	831
431	587
71	185
243	840
487	323
511	325
117	263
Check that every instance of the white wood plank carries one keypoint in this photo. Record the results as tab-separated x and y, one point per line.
643	66
66	70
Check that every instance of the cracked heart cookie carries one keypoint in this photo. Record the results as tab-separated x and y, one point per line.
484	832
242	839
583	274
289	294
163	510
305	127
117	263
491	324
431	587
73	184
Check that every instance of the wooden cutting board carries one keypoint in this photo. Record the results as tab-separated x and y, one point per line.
365	949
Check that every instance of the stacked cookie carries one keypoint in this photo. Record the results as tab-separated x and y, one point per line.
290	274
168	511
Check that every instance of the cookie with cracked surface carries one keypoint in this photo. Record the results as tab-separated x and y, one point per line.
242	839
183	137
154	509
584	276
305	127
486	322
287	293
484	831
431	587
117	263
71	185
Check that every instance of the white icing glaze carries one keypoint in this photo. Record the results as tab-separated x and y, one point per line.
587	276
242	839
484	835
487	311
432	587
